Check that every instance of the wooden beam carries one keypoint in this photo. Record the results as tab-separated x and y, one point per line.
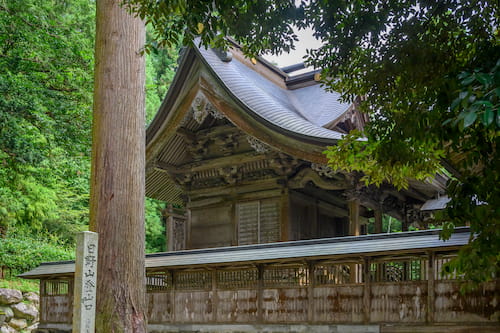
324	195
370	203
187	134
305	176
240	189
322	203
215	131
212	163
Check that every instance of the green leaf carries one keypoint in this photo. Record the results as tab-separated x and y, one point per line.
455	103
469	118
488	116
484	79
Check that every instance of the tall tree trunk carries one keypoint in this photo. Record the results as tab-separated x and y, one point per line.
117	181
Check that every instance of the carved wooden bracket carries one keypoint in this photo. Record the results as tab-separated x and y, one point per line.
304	176
227	143
201	108
257	145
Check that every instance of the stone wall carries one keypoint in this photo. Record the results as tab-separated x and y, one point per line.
18	311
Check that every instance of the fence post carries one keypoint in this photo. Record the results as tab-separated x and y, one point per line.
366	289
430	287
310	292
260	296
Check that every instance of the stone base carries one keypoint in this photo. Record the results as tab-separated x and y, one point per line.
299	328
303	328
222	328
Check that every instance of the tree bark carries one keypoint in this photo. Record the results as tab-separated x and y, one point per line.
117	178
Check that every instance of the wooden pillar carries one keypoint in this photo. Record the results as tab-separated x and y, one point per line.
430	287
260	295
366	290
215	298
177	237
354	223
172	297
378	221
405	223
285	215
169	229
43	298
354	230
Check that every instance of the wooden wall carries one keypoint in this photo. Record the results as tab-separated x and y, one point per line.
400	290
211	227
236	221
312	218
363	292
56	301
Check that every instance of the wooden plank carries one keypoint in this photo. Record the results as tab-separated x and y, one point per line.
194	306
339	304
237	306
477	306
160	307
400	302
284	305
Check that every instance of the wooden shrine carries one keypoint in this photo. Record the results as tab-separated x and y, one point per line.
263	236
239	145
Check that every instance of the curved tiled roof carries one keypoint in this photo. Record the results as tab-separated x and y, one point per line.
302	111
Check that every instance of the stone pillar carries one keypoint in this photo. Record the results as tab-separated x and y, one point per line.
84	303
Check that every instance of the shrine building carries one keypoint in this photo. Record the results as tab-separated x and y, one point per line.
263	236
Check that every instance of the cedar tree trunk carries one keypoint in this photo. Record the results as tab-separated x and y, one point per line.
117	180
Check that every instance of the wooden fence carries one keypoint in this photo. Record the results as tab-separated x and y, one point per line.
403	289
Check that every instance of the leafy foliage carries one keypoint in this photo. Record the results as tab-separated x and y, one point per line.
155	228
21	253
20	284
160	70
46	84
425	72
46	58
257	25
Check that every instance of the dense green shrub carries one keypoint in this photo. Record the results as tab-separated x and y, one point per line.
20	253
